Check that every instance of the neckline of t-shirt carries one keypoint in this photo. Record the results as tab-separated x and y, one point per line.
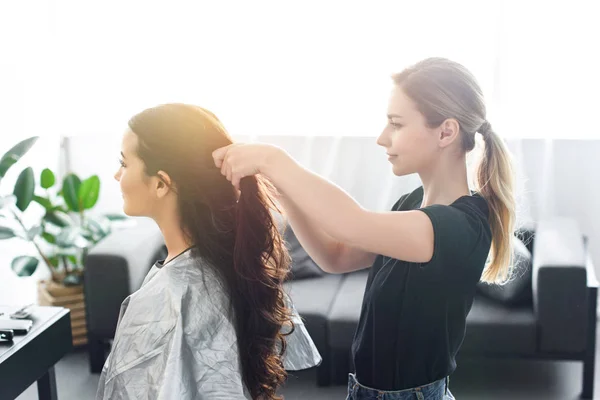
420	207
161	263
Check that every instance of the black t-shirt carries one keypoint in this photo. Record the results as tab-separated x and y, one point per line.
413	315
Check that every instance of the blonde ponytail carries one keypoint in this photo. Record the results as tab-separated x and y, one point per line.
495	183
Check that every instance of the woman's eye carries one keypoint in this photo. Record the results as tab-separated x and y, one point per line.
121	163
396	125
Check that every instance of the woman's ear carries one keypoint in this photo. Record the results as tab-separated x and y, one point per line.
163	184
449	131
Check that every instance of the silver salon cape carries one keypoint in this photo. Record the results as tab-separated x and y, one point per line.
175	340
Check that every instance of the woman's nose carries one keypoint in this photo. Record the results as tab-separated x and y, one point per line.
383	139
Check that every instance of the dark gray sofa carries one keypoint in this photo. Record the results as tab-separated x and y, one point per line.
559	322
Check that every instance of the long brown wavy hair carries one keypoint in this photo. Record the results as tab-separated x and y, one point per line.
236	237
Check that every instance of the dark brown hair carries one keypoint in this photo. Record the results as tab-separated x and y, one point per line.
237	238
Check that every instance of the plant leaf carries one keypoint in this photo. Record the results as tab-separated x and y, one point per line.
88	234
72	280
48	237
24	265
24	188
14	154
116	217
33	232
100	225
44	202
47	178
54	261
67	251
71	237
6	233
70	191
67	237
89	191
60	208
58	218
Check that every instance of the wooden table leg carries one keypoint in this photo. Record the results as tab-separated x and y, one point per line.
47	386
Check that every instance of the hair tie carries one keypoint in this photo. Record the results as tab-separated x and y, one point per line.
485	128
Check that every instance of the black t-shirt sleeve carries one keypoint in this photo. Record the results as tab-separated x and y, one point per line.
456	233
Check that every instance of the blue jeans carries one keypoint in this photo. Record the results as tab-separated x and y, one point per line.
437	390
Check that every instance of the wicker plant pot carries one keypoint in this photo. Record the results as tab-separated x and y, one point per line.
51	293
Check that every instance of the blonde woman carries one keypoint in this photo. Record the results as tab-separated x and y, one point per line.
428	253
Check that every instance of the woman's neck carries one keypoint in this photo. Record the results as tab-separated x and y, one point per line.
175	238
445	182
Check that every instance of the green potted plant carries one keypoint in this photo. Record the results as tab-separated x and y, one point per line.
61	237
11	203
65	232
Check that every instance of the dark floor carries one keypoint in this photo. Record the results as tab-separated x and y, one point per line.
473	380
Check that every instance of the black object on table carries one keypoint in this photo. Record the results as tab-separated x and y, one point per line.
31	357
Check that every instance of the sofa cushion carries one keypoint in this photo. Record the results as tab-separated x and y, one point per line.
302	265
313	299
517	290
345	312
495	329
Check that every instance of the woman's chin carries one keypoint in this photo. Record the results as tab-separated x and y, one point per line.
127	211
133	211
398	171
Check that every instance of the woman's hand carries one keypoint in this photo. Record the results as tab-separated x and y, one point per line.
239	160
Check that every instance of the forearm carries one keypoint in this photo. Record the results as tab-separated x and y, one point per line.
321	247
336	212
330	255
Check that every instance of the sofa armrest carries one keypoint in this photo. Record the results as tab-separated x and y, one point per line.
560	295
592	279
114	269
